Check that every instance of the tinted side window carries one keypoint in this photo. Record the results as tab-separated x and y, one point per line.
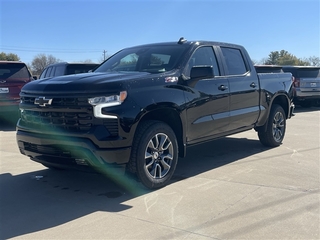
203	56
59	70
52	72
234	61
48	73
43	74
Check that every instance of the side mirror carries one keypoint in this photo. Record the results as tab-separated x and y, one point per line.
201	72
34	77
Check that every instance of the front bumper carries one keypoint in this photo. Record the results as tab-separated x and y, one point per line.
69	152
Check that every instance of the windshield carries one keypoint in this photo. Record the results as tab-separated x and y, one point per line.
152	59
80	68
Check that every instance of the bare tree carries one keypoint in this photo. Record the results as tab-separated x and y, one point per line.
313	61
40	61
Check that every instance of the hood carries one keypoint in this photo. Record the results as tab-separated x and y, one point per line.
84	83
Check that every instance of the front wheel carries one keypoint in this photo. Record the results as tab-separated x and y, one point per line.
275	127
154	154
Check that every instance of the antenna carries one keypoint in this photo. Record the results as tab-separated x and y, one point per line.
182	40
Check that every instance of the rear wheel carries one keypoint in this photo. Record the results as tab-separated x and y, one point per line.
275	127
154	154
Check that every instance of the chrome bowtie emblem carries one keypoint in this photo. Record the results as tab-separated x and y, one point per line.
42	101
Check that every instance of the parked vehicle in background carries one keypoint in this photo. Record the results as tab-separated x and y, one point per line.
13	76
145	105
268	68
306	82
64	68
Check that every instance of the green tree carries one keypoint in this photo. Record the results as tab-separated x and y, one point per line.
284	58
40	61
273	58
9	57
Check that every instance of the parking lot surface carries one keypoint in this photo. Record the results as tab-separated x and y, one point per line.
231	188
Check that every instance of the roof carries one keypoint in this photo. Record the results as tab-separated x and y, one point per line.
193	42
301	67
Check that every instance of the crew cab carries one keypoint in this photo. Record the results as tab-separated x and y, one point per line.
145	105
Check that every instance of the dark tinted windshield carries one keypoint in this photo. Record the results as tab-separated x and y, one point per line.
13	70
152	59
80	68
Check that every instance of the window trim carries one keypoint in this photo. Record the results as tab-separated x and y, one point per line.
226	68
215	54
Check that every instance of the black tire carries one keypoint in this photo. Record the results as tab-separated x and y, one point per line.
275	127
154	154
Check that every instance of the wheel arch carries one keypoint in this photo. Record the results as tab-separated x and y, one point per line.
170	116
283	101
280	99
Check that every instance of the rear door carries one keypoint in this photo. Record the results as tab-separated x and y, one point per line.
244	89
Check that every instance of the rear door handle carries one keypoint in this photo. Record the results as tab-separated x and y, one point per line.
253	85
222	87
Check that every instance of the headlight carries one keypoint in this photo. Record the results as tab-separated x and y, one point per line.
108	101
103	102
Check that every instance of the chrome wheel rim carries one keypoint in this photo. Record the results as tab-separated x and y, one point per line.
158	156
278	126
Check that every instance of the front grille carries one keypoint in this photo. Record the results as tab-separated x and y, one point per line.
72	121
70	102
64	114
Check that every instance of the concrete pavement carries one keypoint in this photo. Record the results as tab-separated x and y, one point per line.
231	188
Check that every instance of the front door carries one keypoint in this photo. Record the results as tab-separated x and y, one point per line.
208	108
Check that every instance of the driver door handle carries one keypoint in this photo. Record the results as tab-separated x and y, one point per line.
253	85
222	87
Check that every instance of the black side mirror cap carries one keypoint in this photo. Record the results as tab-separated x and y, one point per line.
201	72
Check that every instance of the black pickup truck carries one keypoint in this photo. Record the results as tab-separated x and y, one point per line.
145	105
